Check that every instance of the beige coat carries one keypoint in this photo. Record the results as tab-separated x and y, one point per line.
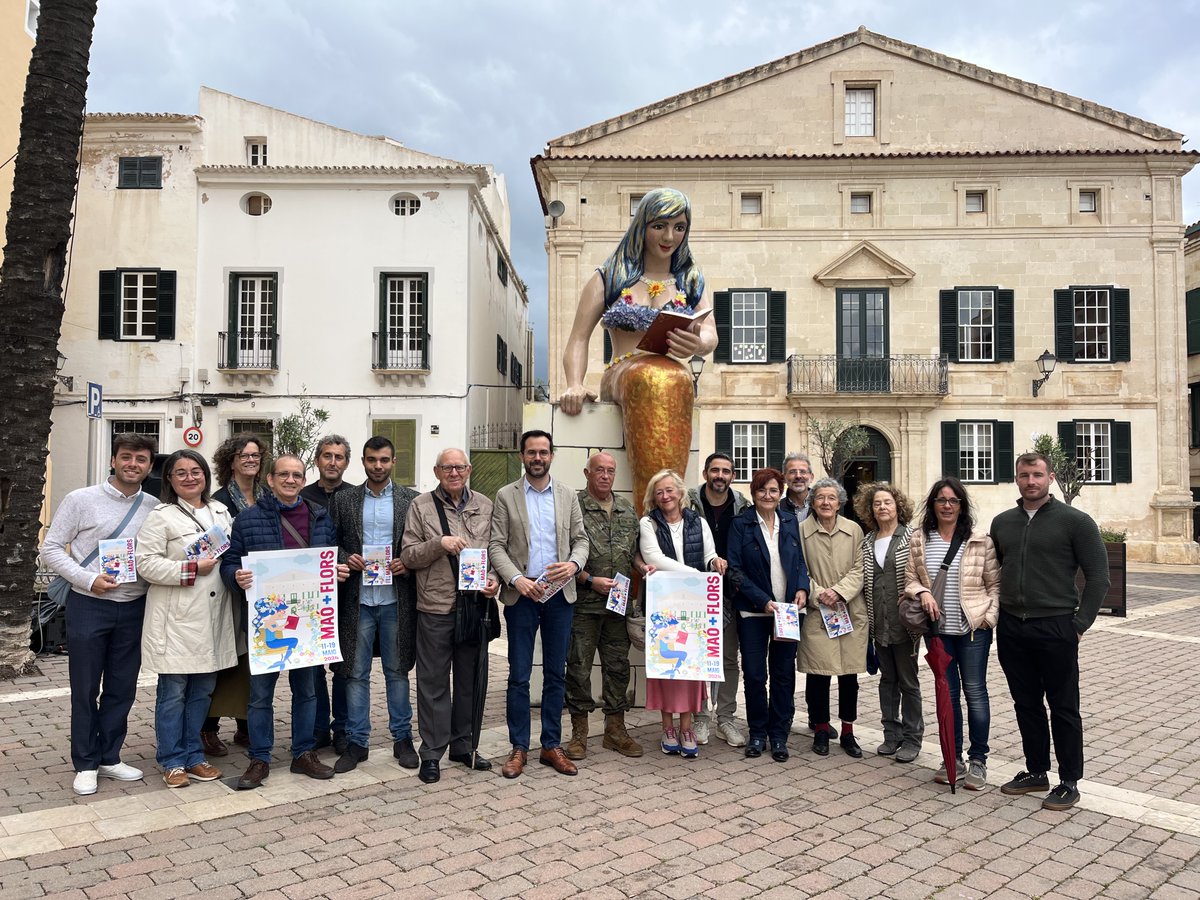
834	561
978	577
508	548
188	629
421	547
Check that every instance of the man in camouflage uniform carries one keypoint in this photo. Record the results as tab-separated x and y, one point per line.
612	530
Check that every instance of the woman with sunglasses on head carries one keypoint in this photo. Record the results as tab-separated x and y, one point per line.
967	614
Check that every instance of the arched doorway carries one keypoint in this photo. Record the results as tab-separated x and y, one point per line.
874	463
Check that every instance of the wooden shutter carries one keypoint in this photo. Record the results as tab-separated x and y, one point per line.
1066	437
127	172
1005	325
501	356
1064	325
948	323
1122	452
723	438
231	336
950	448
107	325
1194	415
381	346
776	327
1193	321
722	303
1118	312
403	434
776	444
166	306
1002	452
149	172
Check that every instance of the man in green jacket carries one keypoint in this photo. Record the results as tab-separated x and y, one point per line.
612	530
1040	544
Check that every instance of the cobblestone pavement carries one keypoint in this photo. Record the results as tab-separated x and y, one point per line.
723	826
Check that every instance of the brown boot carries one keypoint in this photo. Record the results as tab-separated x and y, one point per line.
617	738
577	746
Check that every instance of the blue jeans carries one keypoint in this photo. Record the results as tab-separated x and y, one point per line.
331	716
968	668
261	714
524	618
179	711
105	638
762	655
383	620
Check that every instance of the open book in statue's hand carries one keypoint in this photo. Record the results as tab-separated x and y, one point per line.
655	339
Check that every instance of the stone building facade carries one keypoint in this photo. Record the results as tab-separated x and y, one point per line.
894	237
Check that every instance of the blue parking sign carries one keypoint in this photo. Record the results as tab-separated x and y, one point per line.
94	400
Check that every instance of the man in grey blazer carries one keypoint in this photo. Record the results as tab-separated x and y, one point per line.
373	514
537	547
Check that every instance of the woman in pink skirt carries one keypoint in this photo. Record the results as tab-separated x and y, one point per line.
673	538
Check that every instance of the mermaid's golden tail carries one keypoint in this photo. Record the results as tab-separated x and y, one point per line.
656	406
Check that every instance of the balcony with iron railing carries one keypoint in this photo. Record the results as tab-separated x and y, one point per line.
906	374
248	351
400	351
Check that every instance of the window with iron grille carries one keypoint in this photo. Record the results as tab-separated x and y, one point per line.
148	427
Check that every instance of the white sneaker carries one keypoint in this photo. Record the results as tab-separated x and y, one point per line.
733	737
121	772
85	782
701	729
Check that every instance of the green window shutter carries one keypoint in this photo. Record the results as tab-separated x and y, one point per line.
166	306
1122	452
150	172
1066	437
723	437
1193	321
403	434
722	303
776	444
1064	325
1194	415
381	348
1119	313
231	337
107	326
776	327
1005	325
948	324
1002	452
127	172
426	340
950	448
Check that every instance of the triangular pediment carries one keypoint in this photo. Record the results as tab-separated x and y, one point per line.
864	265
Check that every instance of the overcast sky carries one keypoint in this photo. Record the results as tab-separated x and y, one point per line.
493	81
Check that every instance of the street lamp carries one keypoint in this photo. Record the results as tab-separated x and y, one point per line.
696	364
1046	363
67	381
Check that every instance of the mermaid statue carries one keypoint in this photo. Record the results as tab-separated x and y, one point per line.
651	269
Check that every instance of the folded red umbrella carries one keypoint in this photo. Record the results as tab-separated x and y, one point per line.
939	661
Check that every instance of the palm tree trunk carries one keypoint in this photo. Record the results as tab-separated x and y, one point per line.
39	226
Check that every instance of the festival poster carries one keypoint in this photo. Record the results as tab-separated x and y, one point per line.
618	595
117	560
209	545
683	626
836	619
472	569
377	564
293	609
787	622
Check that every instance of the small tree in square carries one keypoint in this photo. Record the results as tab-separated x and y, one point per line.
1070	475
838	442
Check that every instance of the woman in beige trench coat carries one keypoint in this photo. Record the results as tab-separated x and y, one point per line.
833	553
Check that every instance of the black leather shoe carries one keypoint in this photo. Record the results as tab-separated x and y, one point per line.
349	760
779	751
406	753
754	748
850	745
821	743
340	742
430	772
481	763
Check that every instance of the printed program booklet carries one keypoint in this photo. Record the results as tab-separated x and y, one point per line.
377	564
209	545
117	560
618	595
787	622
472	569
552	587
655	338
836	619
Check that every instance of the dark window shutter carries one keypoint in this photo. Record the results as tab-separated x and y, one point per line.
381	346
166	306
501	355
950	448
722	303
1119	316
1002	452
776	326
1005	325
1122	452
776	444
150	172
607	348
723	437
1193	321
1066	437
1064	325
1194	415
127	172
231	337
107	327
948	324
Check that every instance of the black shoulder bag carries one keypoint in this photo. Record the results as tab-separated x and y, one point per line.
475	616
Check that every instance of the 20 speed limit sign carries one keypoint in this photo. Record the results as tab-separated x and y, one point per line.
193	436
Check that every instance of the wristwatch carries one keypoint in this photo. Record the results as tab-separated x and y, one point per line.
588	581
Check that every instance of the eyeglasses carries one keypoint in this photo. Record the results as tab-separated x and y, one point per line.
188	473
249	456
289	476
449	469
948	501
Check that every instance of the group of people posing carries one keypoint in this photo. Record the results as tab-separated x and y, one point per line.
553	555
